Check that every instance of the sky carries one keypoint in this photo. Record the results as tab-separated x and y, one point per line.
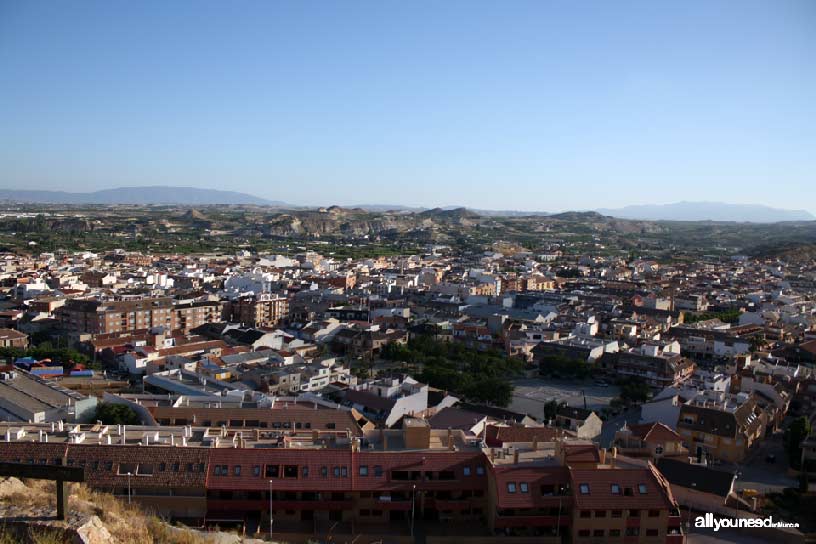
540	105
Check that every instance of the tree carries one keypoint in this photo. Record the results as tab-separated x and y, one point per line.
116	414
634	392
796	432
551	409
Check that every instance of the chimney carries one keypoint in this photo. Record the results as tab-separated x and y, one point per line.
602	454
450	438
515	456
535	443
492	455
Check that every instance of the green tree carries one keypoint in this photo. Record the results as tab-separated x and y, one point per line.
551	408
797	431
116	414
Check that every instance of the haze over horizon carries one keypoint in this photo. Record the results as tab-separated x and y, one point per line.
534	107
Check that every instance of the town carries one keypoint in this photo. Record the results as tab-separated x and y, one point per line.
435	378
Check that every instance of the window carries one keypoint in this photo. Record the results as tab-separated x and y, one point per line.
523	487
217	470
511	487
256	470
162	467
378	471
659	450
583	533
615	489
651	532
654	513
336	472
480	470
633	531
584	489
586	514
634	513
614	532
447	475
290	471
466	471
272	471
305	471
598	533
176	467
600	513
363	470
617	513
236	470
642	489
344	472
324	471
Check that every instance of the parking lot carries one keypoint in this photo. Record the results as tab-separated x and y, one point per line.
530	394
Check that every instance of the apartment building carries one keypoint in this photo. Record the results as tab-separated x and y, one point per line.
655	367
105	317
308	479
721	426
262	310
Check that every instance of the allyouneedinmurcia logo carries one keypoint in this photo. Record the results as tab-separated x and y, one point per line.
708	521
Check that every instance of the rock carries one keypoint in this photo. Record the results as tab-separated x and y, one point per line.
10	486
94	531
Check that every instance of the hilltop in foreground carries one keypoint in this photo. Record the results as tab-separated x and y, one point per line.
27	515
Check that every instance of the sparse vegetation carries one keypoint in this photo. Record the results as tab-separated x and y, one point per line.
125	523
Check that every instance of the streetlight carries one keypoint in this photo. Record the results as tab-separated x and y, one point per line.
270	508
129	475
413	506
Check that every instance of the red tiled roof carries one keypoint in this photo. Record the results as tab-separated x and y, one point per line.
601	497
535	477
655	433
583	453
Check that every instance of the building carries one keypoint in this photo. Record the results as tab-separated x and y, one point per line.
584	423
9	338
651	440
105	317
311	482
653	366
261	310
633	504
25	397
720	426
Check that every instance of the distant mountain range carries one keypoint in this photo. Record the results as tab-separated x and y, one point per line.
138	196
679	211
708	211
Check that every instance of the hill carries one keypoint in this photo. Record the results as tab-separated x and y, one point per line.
708	211
138	196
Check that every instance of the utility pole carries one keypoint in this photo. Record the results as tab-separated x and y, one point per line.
413	507
271	521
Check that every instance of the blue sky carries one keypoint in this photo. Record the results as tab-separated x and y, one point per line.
539	105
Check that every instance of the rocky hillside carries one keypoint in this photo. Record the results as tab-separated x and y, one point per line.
27	513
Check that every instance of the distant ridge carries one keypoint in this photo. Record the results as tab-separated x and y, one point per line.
138	196
708	211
